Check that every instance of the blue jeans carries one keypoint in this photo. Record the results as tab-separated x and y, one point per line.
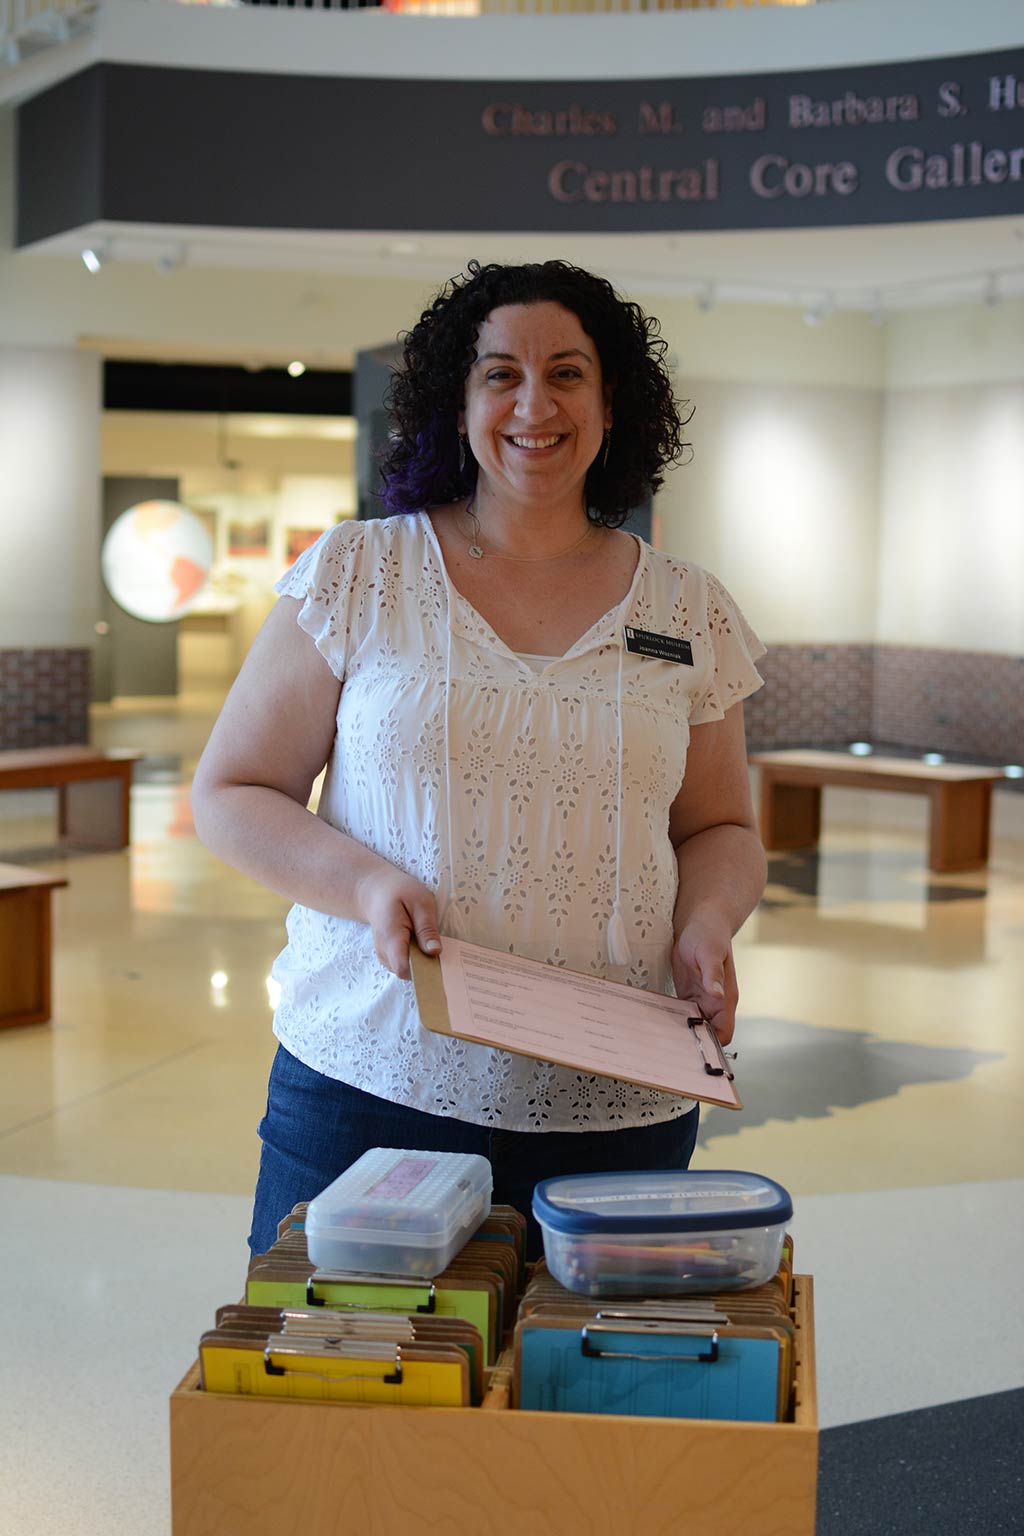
316	1127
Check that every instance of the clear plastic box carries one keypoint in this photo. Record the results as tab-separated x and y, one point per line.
663	1232
399	1213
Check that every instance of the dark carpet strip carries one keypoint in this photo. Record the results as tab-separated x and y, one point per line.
955	1470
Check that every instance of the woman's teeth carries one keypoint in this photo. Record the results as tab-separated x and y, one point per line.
536	442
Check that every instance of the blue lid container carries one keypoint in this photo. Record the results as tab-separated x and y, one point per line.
663	1231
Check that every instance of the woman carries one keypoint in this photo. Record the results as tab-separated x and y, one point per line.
500	765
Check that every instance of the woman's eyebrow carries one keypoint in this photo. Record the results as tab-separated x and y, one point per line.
508	357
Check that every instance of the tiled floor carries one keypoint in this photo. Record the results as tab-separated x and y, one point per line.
881	1063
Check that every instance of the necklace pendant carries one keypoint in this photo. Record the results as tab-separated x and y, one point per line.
476	551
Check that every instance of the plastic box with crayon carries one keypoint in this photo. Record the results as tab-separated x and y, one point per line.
396	1212
661	1232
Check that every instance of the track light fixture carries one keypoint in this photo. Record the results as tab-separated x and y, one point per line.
814	314
170	261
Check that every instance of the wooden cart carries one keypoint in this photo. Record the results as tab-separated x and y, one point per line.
247	1466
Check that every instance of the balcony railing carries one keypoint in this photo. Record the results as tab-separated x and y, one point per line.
27	26
521	7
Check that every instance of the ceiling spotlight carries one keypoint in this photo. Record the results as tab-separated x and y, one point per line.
94	256
933	759
1014	771
705	298
296	369
861	748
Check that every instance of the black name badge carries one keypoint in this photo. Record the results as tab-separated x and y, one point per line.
644	642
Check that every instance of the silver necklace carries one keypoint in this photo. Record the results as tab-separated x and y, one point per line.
477	552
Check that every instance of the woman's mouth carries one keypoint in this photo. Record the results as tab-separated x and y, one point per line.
536	444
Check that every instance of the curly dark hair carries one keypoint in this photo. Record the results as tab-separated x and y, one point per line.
420	466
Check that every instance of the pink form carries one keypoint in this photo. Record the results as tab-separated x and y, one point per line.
581	1021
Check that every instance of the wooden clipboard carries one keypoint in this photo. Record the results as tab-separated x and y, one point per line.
552	1014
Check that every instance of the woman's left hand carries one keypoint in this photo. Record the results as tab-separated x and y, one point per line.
703	972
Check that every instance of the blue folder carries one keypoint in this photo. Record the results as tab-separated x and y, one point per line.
692	1376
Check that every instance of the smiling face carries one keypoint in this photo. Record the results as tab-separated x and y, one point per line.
536	408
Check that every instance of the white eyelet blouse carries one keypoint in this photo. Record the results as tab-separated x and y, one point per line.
534	803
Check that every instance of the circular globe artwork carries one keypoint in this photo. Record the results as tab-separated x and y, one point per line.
156	558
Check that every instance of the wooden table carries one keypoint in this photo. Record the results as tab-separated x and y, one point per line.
25	944
94	808
960	796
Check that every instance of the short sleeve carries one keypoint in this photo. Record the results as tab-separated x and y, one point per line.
326	576
736	648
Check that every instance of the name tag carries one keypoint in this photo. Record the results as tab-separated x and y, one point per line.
644	642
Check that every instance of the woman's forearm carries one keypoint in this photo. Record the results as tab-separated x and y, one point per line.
271	837
722	875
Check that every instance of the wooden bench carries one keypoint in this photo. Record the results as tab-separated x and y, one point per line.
94	789
25	944
960	796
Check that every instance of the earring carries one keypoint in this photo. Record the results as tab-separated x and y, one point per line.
607	445
462	453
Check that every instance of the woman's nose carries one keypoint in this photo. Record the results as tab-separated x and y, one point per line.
534	401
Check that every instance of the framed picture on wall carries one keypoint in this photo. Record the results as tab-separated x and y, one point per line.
249	538
298	539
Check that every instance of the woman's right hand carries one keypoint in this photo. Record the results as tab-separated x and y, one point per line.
399	908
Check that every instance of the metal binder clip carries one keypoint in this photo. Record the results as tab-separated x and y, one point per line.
359	1352
722	1069
327	1275
696	1309
594	1352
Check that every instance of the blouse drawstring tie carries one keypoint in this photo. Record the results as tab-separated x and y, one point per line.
618	943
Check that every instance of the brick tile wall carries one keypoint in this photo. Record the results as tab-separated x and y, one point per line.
969	705
950	701
812	694
44	697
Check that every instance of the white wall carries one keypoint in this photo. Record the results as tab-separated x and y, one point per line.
952	555
952	493
781	501
966	344
49	497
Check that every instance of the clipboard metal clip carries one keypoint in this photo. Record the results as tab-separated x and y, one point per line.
364	1353
327	1276
648	1313
594	1352
724	1057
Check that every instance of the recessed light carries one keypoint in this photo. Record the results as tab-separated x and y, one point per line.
861	749
94	257
296	369
933	759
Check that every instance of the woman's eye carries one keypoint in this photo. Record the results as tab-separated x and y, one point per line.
498	375
569	373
